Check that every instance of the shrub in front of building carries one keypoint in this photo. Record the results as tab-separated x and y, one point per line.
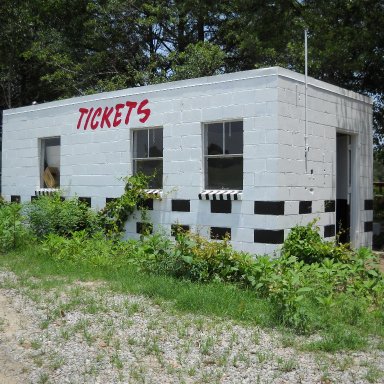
53	215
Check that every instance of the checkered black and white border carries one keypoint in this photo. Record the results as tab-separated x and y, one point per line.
216	194
45	191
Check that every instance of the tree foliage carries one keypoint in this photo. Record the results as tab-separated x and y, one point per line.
52	49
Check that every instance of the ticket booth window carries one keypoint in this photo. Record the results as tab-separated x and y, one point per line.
50	163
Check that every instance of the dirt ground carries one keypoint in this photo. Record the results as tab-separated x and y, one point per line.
11	371
15	323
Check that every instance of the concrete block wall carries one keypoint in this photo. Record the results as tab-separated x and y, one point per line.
330	110
276	187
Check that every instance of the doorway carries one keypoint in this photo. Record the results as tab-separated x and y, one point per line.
344	160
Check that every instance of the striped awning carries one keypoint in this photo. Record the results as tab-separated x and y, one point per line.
155	193
217	194
45	191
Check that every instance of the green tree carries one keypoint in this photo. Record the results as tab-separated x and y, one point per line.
16	71
347	49
52	49
87	46
258	33
345	43
174	27
200	59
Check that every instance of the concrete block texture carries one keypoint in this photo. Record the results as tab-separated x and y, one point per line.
285	156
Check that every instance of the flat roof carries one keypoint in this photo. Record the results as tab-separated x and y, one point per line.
191	83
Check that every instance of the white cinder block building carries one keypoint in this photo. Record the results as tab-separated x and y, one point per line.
237	153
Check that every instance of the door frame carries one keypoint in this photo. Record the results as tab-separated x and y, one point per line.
353	185
355	191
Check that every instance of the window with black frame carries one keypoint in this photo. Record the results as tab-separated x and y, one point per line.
223	155
148	154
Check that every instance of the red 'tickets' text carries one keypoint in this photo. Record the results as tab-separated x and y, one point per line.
112	116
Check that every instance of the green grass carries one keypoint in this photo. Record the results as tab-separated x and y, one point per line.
215	299
340	337
374	374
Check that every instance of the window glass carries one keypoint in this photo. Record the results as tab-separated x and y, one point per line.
155	143
152	168
50	163
148	155
215	139
141	143
225	173
234	137
224	155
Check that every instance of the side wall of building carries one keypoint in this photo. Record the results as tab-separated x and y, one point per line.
318	182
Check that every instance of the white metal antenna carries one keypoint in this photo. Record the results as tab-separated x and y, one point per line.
305	100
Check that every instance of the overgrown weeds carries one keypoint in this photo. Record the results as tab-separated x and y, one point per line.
116	213
305	243
314	286
53	215
13	233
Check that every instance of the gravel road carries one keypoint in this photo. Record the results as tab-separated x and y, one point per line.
86	333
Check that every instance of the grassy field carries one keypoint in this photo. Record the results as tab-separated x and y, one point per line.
118	325
208	299
185	309
211	299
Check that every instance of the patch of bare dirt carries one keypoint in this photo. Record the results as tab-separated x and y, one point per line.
11	371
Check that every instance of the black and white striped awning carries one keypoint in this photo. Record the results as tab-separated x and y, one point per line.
46	191
156	193
216	194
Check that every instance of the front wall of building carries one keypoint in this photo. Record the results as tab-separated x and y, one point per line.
269	103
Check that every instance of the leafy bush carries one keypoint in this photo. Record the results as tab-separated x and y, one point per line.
300	292
95	251
305	296
12	231
305	243
154	254
116	213
195	258
52	215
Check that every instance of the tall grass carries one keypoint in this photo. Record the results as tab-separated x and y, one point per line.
314	287
217	299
